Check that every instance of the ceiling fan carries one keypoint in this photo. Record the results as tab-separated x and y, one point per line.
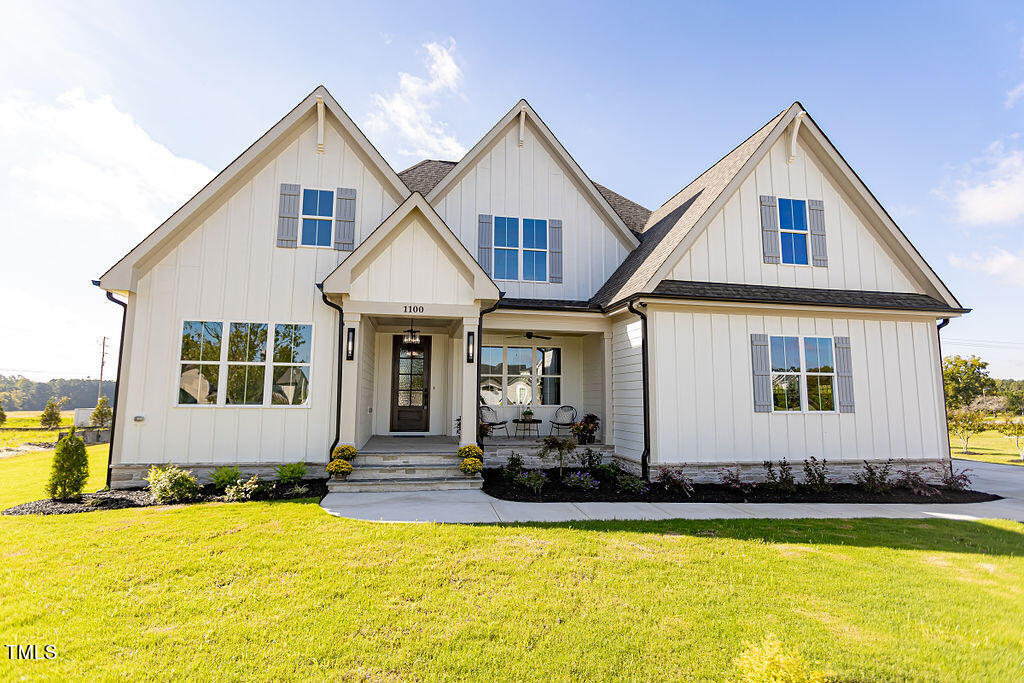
528	335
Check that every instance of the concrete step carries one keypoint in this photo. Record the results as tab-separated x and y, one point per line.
383	459
435	484
411	471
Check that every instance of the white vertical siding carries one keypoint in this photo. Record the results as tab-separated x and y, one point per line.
703	397
592	377
627	386
730	249
367	363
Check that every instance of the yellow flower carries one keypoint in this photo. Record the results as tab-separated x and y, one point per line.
344	453
340	467
471	466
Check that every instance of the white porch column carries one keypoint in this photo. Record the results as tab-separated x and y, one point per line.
470	391
350	379
607	428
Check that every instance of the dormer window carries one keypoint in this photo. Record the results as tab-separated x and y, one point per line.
317	215
793	231
533	248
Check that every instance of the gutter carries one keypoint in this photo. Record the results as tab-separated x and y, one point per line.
341	366
479	350
117	381
645	456
945	412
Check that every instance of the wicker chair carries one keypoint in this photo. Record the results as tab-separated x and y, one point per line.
564	418
489	417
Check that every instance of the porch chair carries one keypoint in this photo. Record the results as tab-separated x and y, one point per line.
489	417
564	418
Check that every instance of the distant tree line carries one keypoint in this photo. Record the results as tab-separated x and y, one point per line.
19	393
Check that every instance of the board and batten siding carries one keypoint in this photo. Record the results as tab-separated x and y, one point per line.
230	269
593	377
627	386
702	389
730	250
529	182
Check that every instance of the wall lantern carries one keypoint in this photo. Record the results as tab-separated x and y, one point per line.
470	346
350	344
411	336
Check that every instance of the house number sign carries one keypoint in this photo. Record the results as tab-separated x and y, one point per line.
412	309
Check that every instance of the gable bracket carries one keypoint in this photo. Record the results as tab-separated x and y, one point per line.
319	125
792	136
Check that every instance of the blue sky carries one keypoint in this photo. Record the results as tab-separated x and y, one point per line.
112	114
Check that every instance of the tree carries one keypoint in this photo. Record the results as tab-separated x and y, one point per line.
1014	401
50	418
963	424
101	414
994	404
965	379
3	415
70	469
1014	429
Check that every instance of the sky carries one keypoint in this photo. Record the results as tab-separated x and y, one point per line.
113	114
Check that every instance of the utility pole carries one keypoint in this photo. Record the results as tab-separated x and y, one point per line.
103	362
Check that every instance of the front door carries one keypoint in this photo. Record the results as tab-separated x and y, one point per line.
410	385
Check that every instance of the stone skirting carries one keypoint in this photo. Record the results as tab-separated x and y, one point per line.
130	476
496	455
841	471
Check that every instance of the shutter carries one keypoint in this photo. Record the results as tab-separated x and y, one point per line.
485	242
345	219
554	250
770	229
288	216
816	223
844	374
762	365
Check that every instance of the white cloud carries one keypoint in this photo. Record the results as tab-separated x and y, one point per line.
994	193
1013	95
80	183
998	263
406	111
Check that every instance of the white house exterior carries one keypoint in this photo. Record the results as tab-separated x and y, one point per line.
770	310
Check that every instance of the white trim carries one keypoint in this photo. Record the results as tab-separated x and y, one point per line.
535	374
802	376
303	216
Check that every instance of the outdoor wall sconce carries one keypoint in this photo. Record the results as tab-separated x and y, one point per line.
470	346
350	343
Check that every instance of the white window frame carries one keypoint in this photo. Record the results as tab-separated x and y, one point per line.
524	249
806	233
535	373
223	362
521	249
303	216
802	376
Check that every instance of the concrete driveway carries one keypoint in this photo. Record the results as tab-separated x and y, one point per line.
478	507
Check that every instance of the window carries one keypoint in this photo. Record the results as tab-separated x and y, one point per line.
506	248
200	366
317	215
521	375
247	357
793	230
291	365
535	250
816	371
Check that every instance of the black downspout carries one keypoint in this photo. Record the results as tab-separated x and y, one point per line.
479	350
117	381
645	457
945	413
341	365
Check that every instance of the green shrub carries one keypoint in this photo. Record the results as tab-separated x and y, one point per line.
101	415
532	479
292	473
242	491
512	468
589	459
580	480
875	478
608	472
629	483
781	481
50	418
223	477
816	475
172	484
770	662
70	468
559	448
3	415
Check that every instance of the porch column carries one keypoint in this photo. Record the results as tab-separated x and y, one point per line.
350	379
607	426
470	391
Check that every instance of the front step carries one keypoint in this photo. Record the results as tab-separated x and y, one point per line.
438	484
405	472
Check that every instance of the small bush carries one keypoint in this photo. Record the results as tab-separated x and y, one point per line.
471	451
101	415
242	491
172	484
733	479
581	480
589	458
339	468
629	483
512	467
291	473
535	480
223	477
912	480
344	453
471	466
956	481
770	662
3	415
70	469
608	472
875	478
50	417
674	480
816	475
559	448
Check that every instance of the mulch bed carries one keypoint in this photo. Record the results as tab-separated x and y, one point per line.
554	492
117	499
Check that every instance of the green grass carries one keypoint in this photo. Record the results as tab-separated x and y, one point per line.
990	446
282	591
29	418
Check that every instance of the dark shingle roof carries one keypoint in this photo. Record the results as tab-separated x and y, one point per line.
804	296
425	175
547	304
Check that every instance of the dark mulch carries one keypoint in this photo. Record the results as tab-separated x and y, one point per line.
136	498
554	492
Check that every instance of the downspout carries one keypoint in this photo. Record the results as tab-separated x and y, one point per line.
341	366
479	350
117	381
645	456
945	413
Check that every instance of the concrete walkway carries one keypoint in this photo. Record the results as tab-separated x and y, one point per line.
478	507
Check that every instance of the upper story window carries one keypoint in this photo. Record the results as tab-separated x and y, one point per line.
506	248
792	371
793	230
317	216
510	250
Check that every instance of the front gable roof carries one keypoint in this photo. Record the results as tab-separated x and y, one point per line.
123	275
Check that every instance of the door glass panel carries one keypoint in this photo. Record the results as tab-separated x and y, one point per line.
416	398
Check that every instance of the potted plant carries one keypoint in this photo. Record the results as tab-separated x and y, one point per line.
344	453
339	468
585	430
527	413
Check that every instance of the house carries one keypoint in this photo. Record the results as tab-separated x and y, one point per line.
309	296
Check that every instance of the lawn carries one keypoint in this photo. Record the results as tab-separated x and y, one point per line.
990	446
29	418
281	591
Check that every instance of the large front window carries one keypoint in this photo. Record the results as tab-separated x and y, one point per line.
521	375
793	371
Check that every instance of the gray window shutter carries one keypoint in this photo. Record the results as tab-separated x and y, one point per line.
485	243
288	216
844	374
345	219
816	223
770	229
554	250
762	364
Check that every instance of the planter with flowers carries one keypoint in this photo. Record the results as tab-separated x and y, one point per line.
585	430
340	465
472	460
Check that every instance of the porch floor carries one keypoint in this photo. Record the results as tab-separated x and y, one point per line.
410	444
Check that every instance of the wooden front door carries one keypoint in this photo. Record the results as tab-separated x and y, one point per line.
410	385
